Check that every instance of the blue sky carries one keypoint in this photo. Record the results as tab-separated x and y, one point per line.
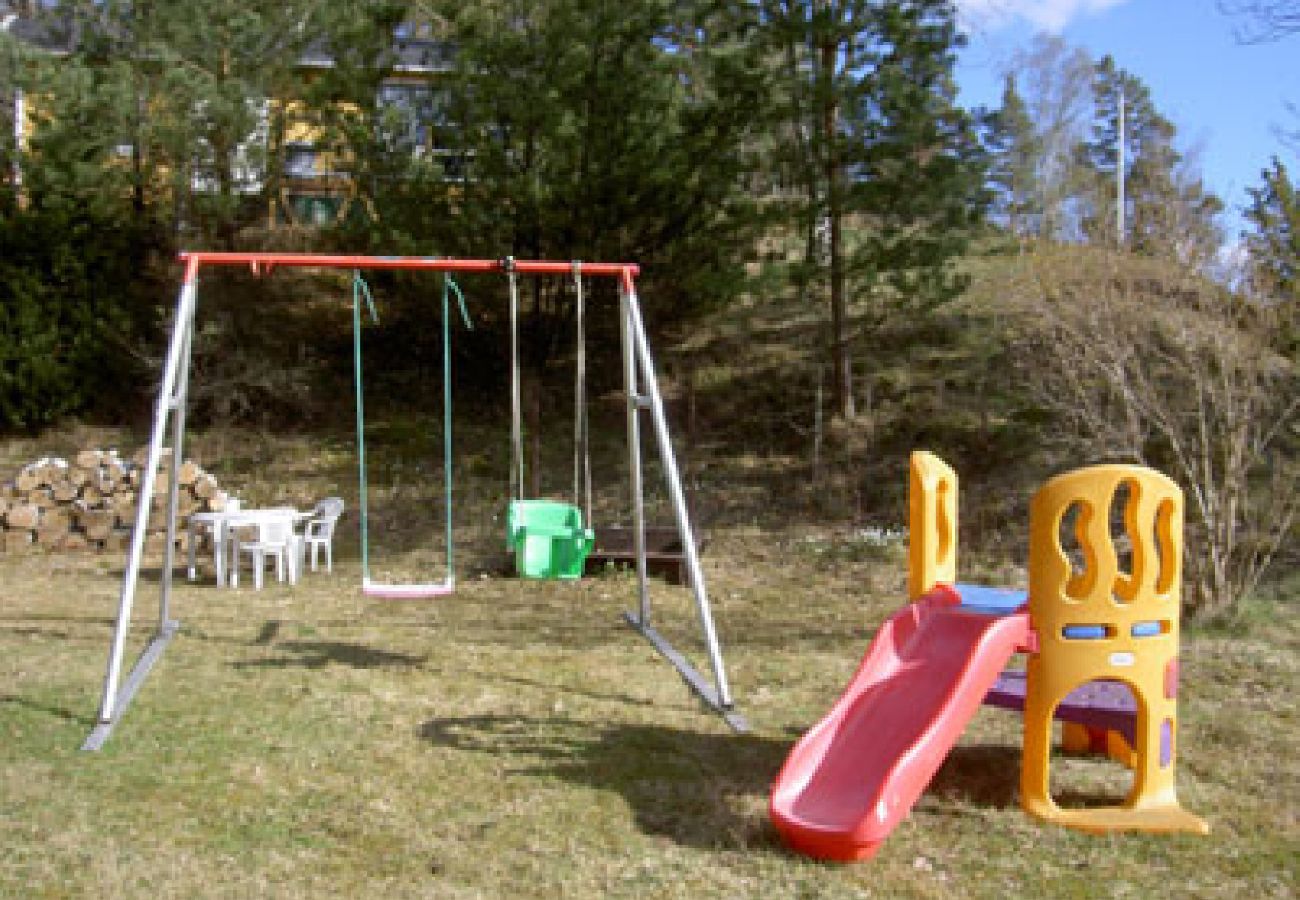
1226	99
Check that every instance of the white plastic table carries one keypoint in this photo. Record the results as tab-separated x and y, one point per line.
220	525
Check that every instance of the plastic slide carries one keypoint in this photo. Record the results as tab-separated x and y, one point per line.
855	775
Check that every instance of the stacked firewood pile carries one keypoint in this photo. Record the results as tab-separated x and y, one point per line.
89	502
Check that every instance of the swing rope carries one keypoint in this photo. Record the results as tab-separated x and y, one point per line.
549	540
404	591
581	427
359	290
448	285
516	402
581	422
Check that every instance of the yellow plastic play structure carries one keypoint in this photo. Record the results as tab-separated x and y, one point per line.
932	524
1105	575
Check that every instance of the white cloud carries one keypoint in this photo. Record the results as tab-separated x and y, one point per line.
1045	15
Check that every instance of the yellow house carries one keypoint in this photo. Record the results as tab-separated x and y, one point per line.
316	182
313	183
18	116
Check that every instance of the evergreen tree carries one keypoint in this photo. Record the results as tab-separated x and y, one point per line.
164	106
871	130
822	50
1168	211
83	117
918	179
12	67
400	188
598	130
1274	244
224	65
602	130
1015	151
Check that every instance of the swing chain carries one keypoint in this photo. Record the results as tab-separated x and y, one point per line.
516	400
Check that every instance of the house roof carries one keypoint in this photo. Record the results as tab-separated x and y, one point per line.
422	55
412	55
419	56
43	33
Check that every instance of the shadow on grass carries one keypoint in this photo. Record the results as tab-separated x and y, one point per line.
986	775
623	699
989	776
32	632
56	711
153	575
699	790
72	629
269	632
318	654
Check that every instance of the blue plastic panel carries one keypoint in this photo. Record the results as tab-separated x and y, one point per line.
991	601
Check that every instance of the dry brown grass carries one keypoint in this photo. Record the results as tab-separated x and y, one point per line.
515	740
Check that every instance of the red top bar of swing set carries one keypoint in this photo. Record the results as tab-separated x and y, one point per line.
194	260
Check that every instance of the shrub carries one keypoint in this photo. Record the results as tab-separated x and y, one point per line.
72	311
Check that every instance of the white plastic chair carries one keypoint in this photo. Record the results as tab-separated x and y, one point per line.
318	533
275	539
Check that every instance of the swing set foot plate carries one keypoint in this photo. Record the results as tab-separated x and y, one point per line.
143	666
694	680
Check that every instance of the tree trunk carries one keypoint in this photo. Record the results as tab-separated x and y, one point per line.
841	374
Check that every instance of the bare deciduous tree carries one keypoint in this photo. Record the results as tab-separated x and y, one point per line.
1150	364
1263	20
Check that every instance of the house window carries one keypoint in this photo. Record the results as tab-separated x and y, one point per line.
300	161
408	31
410	114
314	210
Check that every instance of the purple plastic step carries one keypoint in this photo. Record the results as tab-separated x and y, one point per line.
1097	704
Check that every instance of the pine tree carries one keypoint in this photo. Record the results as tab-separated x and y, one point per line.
223	64
602	130
1015	151
1274	244
164	106
84	114
823	51
400	186
872	132
12	67
608	130
1168	211
919	179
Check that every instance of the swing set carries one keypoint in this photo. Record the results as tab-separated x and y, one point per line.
642	395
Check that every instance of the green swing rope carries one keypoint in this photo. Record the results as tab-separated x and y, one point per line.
359	290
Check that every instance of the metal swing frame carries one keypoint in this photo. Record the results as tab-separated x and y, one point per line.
642	394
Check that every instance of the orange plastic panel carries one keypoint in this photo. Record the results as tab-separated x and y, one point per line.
1092	588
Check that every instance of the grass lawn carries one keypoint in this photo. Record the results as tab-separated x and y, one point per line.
517	740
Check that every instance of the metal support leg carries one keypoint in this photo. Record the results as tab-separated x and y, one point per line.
177	404
113	703
631	389
637	347
191	550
